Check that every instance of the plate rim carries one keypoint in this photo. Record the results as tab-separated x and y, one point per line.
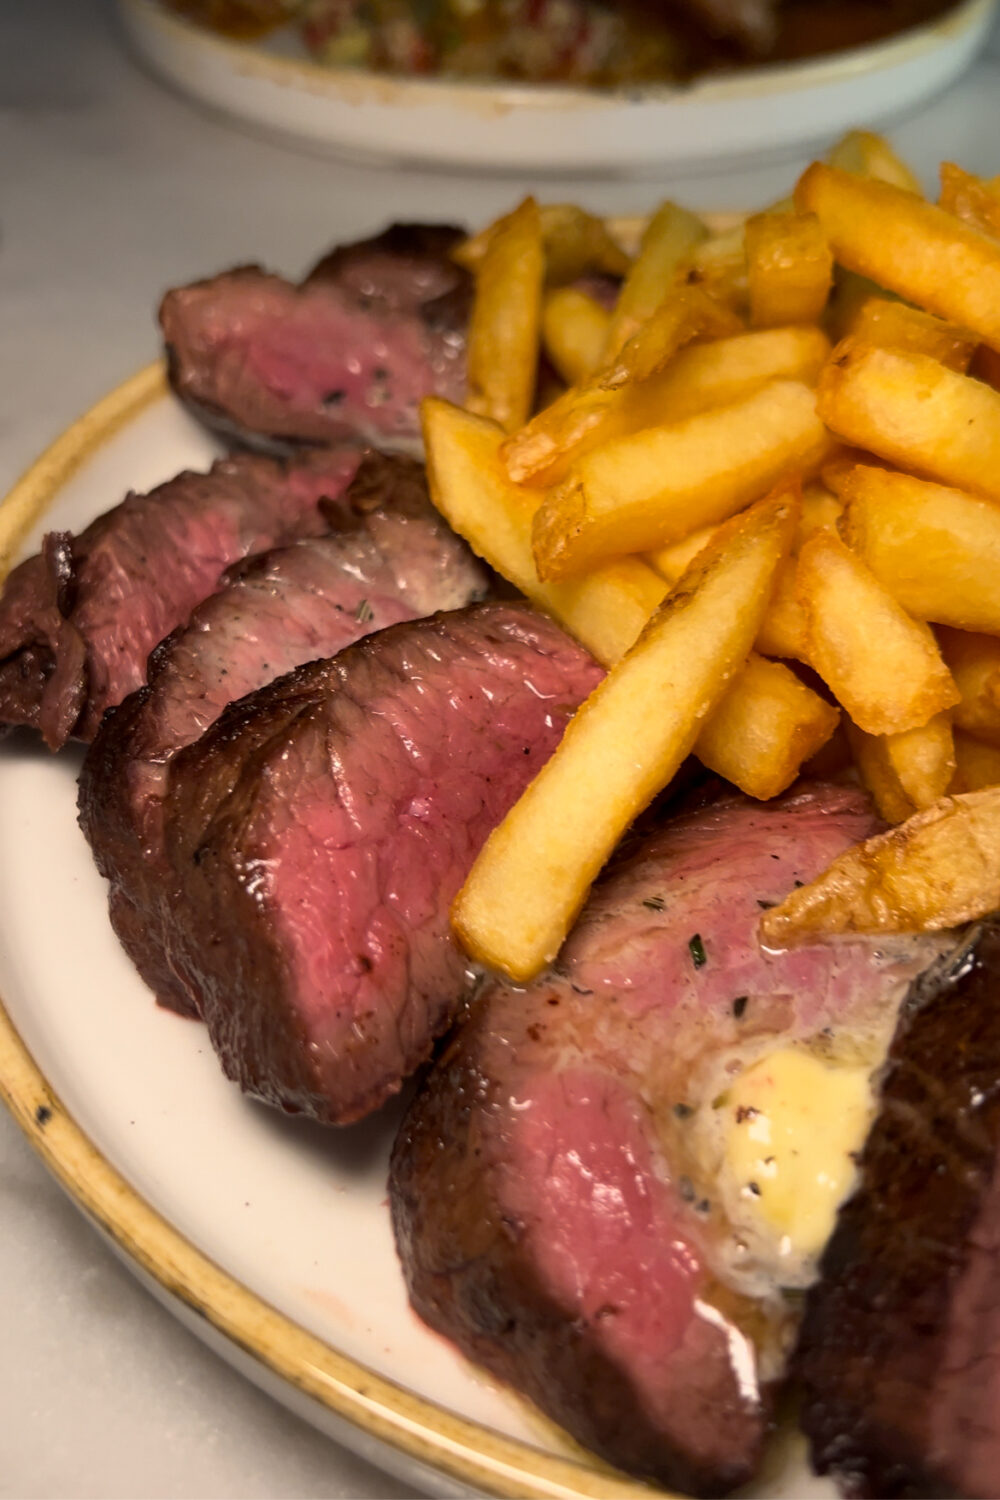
782	77
459	1448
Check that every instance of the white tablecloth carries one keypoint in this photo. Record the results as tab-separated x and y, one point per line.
110	190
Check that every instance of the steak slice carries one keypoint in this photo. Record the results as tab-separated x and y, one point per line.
320	830
348	353
79	619
557	1207
398	561
900	1345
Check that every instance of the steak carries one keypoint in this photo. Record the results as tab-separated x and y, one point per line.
79	619
398	561
320	830
348	353
900	1345
556	1209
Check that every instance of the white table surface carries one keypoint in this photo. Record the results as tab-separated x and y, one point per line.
110	190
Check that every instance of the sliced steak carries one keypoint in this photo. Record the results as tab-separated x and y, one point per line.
900	1344
397	561
79	619
322	827
555	1193
349	353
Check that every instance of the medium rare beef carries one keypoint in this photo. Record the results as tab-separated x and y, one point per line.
900	1344
79	619
350	352
394	560
321	828
555	1187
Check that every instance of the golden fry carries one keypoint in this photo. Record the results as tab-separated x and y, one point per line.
668	241
936	549
909	246
505	327
909	771
884	668
623	745
893	325
606	610
974	662
575	242
574	328
938	869
767	724
672	562
970	199
910	410
866	154
656	486
789	269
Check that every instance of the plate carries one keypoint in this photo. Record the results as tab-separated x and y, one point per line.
268	1236
546	128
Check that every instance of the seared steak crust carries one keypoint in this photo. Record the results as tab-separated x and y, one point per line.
348	353
320	830
392	559
554	1211
900	1346
79	619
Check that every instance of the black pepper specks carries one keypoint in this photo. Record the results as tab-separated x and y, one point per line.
43	1115
740	1005
696	948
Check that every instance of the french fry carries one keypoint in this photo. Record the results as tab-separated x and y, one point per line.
866	154
656	486
936	549
883	667
893	325
673	561
970	199
705	375
784	630
977	765
589	415
623	745
767	724
574	327
909	771
504	330
974	662
667	243
719	264
789	269
938	869
606	610
821	509
909	246
575	242
910	410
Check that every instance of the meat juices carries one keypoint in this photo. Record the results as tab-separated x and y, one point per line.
349	353
554	1199
393	559
79	619
320	830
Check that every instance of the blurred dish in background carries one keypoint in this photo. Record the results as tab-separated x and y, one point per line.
455	118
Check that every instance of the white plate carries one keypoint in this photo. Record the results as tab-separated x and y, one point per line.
545	128
269	1237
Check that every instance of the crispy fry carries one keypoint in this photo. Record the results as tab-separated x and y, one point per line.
574	327
719	264
866	154
587	416
893	325
667	243
784	629
977	765
656	486
575	242
606	610
505	326
909	246
936	549
909	771
909	409
767	724
672	562
789	269
821	509
970	199
974	662
884	668
624	744
938	869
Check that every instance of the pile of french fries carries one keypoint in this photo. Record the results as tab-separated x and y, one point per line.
764	491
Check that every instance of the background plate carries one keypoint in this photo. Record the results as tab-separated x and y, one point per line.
270	1237
543	128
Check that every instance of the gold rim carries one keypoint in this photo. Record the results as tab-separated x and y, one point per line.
426	1433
